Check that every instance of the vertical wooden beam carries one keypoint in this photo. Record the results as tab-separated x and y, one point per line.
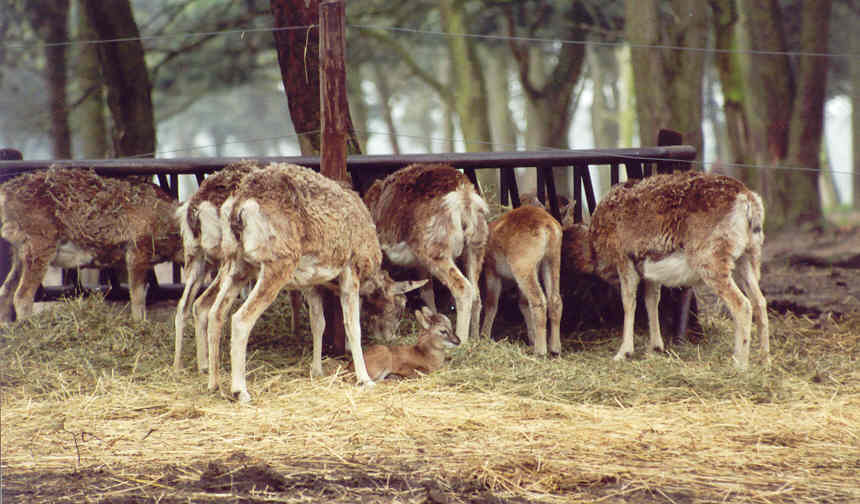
333	103
334	124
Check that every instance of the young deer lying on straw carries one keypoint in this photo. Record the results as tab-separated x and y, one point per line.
677	230
71	218
525	246
286	226
428	216
426	356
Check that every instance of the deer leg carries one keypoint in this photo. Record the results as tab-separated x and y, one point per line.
32	273
530	288
493	285
201	307
551	272
474	264
428	297
629	279
7	291
652	303
448	273
227	292
349	303
137	286
317	321
296	306
196	270
741	311
270	280
750	282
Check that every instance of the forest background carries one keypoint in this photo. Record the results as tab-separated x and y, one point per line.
764	89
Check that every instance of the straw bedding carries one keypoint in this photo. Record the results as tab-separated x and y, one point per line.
91	412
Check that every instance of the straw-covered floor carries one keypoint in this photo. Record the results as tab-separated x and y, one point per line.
92	412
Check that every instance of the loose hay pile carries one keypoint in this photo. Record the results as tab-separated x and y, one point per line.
92	412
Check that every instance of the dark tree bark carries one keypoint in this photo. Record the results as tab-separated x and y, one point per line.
50	19
297	39
668	82
125	75
785	107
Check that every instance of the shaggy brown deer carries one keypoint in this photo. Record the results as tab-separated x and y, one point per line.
525	247
72	218
425	356
427	216
200	226
678	229
287	226
199	219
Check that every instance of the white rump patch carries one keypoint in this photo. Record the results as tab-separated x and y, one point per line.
71	256
256	231
210	226
671	271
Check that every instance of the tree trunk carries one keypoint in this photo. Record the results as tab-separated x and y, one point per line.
855	121
467	78
798	194
380	78
549	95
785	114
125	74
668	82
729	66
51	20
297	41
90	125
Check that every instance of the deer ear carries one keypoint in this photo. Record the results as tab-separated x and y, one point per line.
422	317
404	287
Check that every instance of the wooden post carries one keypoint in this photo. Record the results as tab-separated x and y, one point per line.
334	126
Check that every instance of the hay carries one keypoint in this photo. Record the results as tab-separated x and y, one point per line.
86	391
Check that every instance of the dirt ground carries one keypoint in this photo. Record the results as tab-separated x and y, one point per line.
814	271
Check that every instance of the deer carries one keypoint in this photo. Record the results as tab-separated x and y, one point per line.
427	217
200	227
407	361
73	218
525	247
680	229
200	224
287	226
565	208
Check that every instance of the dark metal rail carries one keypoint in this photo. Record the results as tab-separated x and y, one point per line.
638	162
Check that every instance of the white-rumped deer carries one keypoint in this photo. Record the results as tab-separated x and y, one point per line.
425	356
72	218
678	229
200	225
287	226
427	216
525	247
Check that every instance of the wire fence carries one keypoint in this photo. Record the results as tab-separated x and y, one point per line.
439	34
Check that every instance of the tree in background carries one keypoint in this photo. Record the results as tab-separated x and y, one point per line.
50	20
125	76
668	81
297	40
